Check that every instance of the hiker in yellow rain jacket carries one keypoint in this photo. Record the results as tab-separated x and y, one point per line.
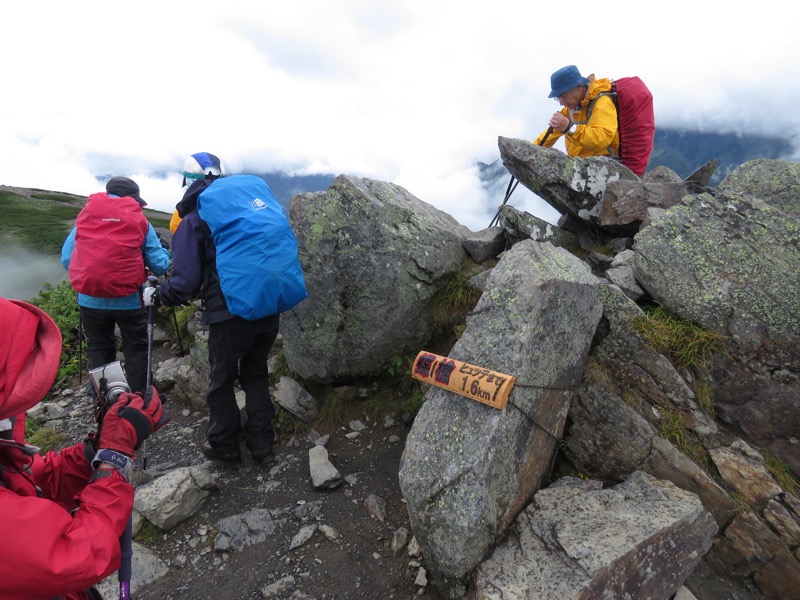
585	135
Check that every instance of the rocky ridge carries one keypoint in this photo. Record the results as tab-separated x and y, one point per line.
622	245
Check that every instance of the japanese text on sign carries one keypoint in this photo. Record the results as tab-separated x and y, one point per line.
477	383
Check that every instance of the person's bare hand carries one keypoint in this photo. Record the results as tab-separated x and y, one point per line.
558	121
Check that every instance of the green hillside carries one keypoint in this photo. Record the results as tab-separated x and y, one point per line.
39	220
33	228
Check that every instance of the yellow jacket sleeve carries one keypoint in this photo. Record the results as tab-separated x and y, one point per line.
174	222
599	136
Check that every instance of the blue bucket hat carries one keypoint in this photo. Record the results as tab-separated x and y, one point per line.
565	79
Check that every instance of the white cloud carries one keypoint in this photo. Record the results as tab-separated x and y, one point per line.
410	92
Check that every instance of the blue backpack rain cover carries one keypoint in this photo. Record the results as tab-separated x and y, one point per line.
257	261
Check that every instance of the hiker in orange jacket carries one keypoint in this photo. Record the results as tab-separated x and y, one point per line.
61	513
595	134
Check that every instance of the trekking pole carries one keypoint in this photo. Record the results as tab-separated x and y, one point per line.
512	183
177	329
80	348
151	324
126	550
126	540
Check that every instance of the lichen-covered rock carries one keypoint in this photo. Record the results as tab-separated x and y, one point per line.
640	539
373	257
774	181
572	186
468	469
730	264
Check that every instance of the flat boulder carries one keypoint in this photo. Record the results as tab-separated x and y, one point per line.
640	539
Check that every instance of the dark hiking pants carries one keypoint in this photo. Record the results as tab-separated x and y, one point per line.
239	349
101	341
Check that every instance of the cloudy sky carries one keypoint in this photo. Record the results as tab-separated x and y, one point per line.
413	92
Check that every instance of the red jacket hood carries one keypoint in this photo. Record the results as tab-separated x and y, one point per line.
30	352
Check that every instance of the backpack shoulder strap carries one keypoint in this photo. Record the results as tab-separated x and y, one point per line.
612	94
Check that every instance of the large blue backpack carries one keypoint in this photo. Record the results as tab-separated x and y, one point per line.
257	261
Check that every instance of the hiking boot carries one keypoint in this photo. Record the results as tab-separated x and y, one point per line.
263	456
229	459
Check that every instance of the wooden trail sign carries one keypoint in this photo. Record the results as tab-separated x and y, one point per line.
477	383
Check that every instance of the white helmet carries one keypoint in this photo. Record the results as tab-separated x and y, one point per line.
202	165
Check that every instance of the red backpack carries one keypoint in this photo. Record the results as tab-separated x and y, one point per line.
637	123
107	260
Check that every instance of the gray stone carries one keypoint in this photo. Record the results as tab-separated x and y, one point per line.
570	185
175	496
485	244
774	181
373	257
729	264
468	469
640	539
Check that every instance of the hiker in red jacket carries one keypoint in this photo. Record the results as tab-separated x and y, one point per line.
61	513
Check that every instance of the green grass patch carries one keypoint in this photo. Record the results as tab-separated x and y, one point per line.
674	427
683	342
42	221
741	504
158	222
56	197
149	534
336	405
391	399
781	472
40	226
43	436
280	368
454	300
704	392
413	401
60	302
286	424
176	319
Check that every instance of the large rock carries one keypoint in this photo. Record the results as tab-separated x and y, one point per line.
625	203
469	469
730	264
175	496
520	226
186	378
774	181
640	539
373	257
572	186
748	548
